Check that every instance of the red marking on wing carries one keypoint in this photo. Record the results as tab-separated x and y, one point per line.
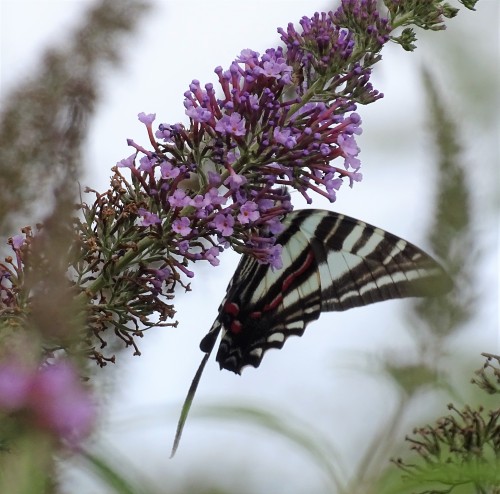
231	308
289	280
236	326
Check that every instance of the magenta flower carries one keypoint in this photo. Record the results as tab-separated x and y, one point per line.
146	119
248	213
182	226
179	199
148	218
281	121
146	164
127	162
169	171
235	181
199	114
232	124
211	255
224	224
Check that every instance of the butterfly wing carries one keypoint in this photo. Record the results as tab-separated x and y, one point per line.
331	262
360	264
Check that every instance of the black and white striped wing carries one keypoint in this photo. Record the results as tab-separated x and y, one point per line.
331	262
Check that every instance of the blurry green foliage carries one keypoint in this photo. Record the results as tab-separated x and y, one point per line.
45	119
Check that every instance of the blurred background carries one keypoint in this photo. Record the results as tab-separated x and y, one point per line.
331	384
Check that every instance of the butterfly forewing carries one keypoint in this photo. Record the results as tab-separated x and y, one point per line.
360	264
331	262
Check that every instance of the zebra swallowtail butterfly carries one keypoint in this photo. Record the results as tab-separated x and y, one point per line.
331	262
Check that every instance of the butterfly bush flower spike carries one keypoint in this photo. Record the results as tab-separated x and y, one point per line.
279	121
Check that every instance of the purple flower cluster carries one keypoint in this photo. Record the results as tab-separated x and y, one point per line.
280	121
338	47
51	398
362	17
202	211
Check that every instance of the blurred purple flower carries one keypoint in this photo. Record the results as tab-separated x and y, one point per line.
15	382
199	114
60	403
18	241
53	398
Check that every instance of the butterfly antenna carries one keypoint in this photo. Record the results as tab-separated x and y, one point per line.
187	402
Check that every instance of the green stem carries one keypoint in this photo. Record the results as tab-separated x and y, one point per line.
402	20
